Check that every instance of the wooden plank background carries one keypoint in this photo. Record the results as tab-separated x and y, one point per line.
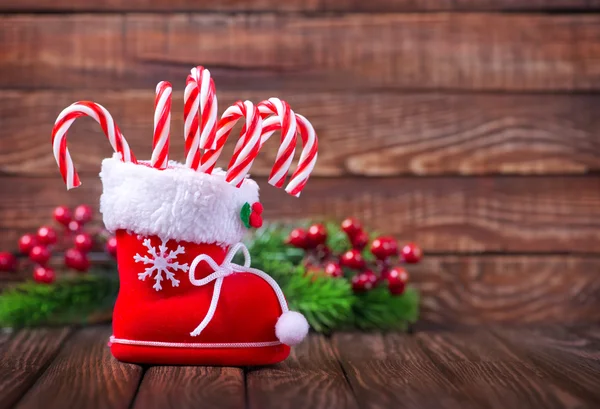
468	126
491	367
297	5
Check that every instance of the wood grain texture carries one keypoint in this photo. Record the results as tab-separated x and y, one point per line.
566	356
5	335
482	214
469	368
456	369
366	134
591	333
483	290
183	387
291	5
85	375
310	378
396	374
23	358
472	51
489	374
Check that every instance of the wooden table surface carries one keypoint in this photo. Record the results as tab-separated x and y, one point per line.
494	367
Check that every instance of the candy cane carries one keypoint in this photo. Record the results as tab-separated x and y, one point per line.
208	107
191	129
285	120
59	137
249	142
308	157
162	125
199	115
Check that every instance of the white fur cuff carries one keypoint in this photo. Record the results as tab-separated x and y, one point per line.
176	203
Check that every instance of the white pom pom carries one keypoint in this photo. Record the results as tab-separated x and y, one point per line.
291	328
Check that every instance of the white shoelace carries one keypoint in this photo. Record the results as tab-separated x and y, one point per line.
226	268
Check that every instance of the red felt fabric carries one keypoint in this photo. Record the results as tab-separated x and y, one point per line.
247	311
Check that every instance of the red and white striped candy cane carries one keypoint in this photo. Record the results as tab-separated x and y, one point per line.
249	142
59	137
208	107
283	118
191	127
199	115
308	157
162	125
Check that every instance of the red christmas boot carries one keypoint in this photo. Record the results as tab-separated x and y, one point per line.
182	300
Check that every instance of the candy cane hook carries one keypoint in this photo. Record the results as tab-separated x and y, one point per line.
308	157
59	137
249	142
284	119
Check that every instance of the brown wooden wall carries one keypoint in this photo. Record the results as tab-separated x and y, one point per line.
469	126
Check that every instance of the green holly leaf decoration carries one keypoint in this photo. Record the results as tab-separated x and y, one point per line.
245	214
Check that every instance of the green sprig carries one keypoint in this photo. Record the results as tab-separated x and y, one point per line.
71	300
379	310
329	304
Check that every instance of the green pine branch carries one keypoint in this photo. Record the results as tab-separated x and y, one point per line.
379	310
325	302
71	300
329	304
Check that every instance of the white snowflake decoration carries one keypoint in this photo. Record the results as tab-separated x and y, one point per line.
160	262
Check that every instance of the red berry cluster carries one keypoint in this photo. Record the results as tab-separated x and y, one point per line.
256	220
365	275
38	247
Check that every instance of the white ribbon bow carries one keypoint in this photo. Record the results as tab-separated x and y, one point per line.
226	268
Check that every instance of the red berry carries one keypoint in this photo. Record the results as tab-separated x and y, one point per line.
83	242
46	235
8	262
111	246
397	278
371	276
316	235
256	220
411	253
397	289
384	247
74	226
62	214
77	260
82	214
44	275
333	269
297	238
352	259
26	243
40	255
364	281
398	274
257	207
359	240
351	227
